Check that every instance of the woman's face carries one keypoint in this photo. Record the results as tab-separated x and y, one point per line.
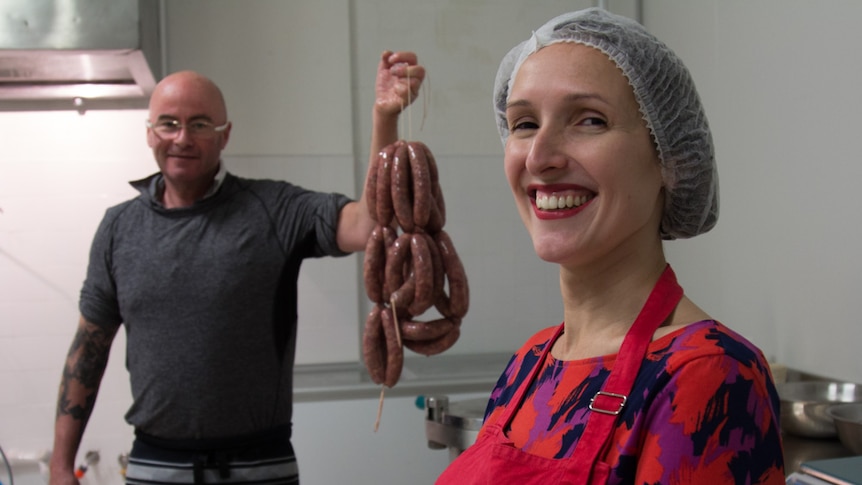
579	159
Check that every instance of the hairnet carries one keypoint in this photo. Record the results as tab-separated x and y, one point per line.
668	102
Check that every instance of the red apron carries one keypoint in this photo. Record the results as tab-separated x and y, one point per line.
494	460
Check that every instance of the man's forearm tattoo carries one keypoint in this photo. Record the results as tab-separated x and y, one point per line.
84	368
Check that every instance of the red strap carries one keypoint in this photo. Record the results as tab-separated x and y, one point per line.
609	402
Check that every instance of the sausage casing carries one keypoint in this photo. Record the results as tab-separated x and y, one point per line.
402	192
397	256
421	176
457	302
437	265
374	345
374	265
394	350
436	190
402	298
421	331
423	275
435	346
385	210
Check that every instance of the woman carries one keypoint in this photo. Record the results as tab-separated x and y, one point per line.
607	153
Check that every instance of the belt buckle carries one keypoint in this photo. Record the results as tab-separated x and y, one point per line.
612	412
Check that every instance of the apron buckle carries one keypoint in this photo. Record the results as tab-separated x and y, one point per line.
612	412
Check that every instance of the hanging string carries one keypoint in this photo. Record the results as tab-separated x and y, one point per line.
409	104
426	100
407	110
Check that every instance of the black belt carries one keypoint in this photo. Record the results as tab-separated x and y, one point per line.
265	437
214	459
217	452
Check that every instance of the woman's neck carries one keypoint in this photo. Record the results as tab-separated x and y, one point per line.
601	302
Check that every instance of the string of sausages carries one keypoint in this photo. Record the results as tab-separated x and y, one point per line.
410	263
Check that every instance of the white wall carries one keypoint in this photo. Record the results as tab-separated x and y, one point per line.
778	80
58	173
780	83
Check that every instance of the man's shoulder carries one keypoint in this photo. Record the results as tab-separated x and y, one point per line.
123	207
259	185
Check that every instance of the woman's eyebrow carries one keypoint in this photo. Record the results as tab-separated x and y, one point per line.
569	98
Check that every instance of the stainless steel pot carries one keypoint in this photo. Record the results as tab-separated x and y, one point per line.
805	404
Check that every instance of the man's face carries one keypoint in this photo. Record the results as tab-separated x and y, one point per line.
187	155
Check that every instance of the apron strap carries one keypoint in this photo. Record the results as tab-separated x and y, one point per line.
608	403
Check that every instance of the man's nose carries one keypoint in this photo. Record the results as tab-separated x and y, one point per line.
183	136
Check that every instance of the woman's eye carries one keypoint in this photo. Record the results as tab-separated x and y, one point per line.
523	125
593	121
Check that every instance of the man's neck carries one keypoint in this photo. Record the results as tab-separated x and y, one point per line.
176	196
177	199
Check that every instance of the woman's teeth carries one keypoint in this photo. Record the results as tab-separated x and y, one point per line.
552	202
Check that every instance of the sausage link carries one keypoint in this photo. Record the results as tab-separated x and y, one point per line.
374	265
385	211
370	190
402	298
423	275
396	257
436	218
389	236
436	346
436	190
374	345
402	193
437	264
394	351
420	171
440	204
412	330
457	302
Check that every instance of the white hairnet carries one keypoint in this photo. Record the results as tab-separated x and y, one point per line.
668	101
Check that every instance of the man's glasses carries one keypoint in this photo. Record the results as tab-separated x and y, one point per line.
170	129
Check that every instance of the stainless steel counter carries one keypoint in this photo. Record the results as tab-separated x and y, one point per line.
439	374
798	450
454	374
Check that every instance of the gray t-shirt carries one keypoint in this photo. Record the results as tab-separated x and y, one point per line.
208	298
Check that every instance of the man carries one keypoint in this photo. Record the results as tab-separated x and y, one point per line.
202	269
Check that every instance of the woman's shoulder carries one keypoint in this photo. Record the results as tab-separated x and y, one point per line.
707	339
707	336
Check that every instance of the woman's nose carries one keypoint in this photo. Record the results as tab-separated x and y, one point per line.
546	151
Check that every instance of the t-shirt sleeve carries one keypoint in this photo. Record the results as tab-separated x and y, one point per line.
308	220
715	422
98	301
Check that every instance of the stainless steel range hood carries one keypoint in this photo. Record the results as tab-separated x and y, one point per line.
78	54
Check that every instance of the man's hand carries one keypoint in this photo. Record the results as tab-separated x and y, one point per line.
398	80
